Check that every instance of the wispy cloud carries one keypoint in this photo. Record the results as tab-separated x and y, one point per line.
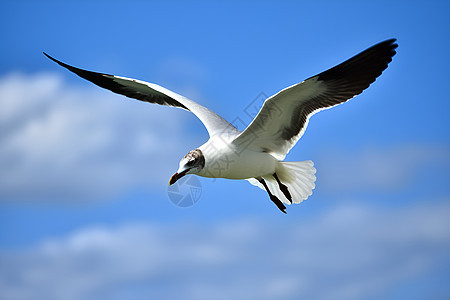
356	252
59	141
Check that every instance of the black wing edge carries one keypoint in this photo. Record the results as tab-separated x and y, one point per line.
344	81
364	67
107	81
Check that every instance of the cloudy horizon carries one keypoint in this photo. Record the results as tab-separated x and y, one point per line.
118	261
85	210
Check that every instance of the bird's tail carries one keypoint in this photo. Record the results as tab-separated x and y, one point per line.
297	176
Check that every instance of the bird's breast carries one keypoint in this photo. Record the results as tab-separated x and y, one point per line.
229	163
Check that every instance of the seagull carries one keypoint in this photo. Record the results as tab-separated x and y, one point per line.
257	153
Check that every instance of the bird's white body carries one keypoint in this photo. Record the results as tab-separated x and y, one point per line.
226	160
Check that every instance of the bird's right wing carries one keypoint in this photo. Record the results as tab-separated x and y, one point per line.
283	118
152	93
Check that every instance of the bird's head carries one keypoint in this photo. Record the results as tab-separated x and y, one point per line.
191	163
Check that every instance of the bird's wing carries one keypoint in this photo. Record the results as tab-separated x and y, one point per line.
152	93
283	118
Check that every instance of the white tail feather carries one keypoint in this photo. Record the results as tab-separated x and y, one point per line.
297	176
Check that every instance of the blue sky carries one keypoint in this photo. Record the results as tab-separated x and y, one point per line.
84	210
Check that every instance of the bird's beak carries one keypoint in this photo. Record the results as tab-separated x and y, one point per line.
177	176
173	179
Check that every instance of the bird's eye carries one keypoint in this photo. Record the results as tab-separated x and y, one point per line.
190	163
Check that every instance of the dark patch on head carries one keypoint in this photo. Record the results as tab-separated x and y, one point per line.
195	158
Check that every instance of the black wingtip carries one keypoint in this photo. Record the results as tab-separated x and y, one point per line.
48	56
96	78
60	62
390	43
368	65
392	40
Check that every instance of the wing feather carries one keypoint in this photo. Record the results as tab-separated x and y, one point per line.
152	93
284	117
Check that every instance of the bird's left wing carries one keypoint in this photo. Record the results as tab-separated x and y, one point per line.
152	93
283	118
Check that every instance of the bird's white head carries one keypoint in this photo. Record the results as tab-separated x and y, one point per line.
191	163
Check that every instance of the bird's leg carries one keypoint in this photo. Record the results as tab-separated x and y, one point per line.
274	199
283	188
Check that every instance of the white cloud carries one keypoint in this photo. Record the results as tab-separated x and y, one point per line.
59	141
348	253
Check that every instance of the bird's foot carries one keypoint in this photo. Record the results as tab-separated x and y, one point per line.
278	203
286	193
283	188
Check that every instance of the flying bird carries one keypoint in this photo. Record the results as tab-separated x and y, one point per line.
257	153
